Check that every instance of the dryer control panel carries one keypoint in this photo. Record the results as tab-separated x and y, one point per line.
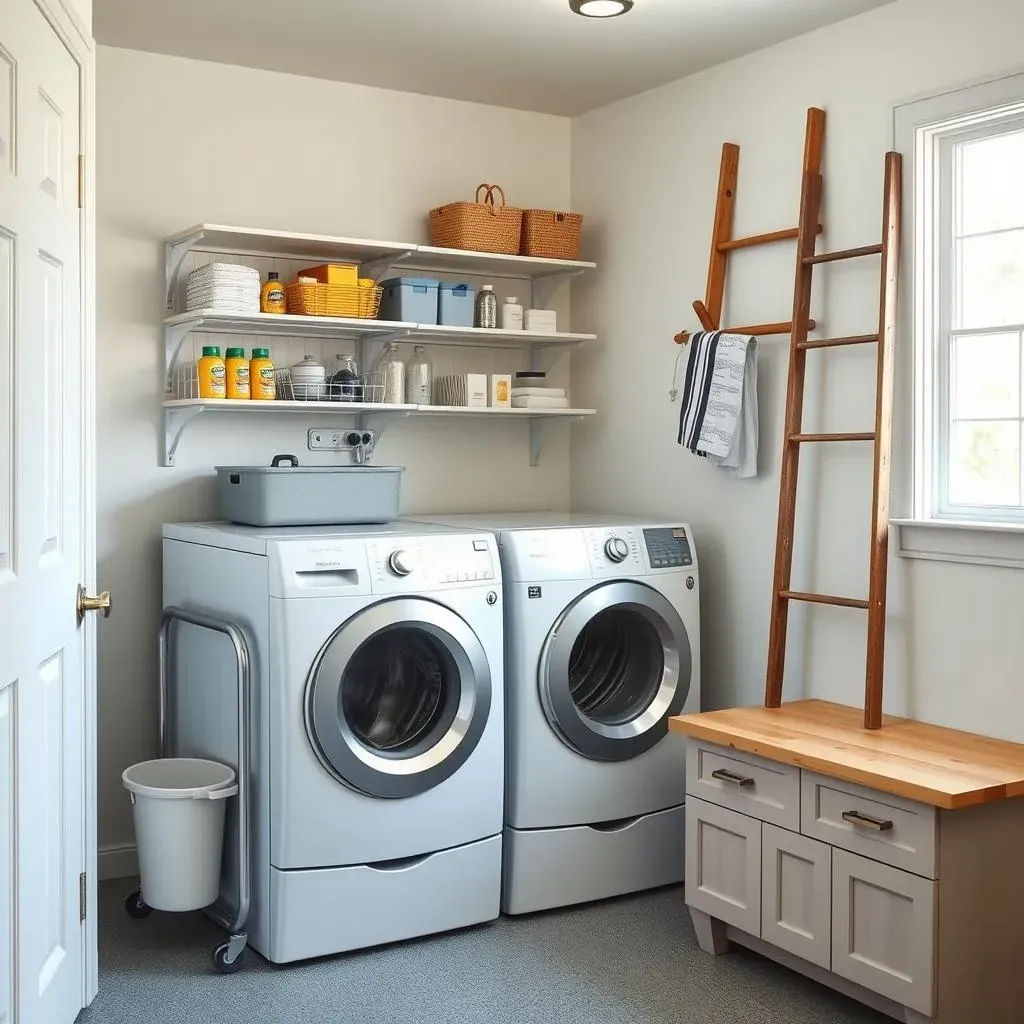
615	551
668	547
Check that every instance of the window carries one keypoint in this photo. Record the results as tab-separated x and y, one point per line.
968	301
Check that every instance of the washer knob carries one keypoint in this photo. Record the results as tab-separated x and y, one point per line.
617	549
401	563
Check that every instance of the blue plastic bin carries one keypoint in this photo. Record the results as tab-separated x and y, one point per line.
412	299
455	304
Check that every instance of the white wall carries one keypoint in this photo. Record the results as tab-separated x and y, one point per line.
181	142
645	173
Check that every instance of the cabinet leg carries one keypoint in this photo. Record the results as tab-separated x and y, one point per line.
711	934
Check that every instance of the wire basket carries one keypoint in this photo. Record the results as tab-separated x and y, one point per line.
368	388
346	300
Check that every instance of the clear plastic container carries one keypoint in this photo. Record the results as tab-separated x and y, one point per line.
419	377
343	383
486	312
391	369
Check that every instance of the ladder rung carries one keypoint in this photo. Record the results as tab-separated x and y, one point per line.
841	602
765	239
844	254
853	339
811	438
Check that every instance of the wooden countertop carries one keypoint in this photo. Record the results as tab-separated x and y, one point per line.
942	767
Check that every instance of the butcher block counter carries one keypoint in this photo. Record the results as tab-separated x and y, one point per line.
888	864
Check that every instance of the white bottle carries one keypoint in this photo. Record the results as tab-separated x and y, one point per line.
418	378
511	315
389	377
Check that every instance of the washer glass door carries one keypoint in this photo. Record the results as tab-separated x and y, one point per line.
398	698
614	669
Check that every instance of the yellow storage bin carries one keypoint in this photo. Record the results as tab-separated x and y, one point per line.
334	273
333	300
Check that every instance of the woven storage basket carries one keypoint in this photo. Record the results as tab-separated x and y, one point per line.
482	226
551	234
333	300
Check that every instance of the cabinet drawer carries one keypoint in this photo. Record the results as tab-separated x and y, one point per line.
883	930
723	864
877	825
746	783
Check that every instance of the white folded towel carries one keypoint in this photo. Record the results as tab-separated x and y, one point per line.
540	402
538	392
718	418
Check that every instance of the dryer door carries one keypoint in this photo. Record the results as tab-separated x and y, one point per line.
615	667
398	698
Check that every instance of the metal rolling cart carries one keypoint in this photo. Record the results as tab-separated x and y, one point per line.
228	956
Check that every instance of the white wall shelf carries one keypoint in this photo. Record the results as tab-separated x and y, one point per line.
178	413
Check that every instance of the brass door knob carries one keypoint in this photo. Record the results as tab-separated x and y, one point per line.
85	603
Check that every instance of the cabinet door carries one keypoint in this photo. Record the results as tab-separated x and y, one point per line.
723	864
883	930
796	895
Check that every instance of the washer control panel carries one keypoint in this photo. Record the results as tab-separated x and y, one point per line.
399	564
668	547
614	551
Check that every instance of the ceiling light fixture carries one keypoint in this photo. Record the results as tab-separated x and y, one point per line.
601	8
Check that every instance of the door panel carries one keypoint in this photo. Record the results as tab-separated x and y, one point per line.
7	729
723	864
41	550
883	930
796	904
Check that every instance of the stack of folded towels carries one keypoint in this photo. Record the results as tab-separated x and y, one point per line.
530	391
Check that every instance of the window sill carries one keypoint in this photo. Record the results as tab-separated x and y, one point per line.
943	540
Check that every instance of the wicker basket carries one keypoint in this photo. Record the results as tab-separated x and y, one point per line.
551	234
481	226
333	300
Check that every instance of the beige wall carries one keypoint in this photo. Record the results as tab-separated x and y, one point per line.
645	172
82	10
180	142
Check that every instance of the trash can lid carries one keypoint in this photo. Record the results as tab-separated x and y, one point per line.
176	778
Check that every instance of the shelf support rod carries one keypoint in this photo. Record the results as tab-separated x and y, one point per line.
174	254
176	419
536	441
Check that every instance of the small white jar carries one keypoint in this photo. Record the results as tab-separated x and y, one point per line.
511	315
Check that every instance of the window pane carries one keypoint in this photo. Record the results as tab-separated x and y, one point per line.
991	276
991	172
985	377
984	463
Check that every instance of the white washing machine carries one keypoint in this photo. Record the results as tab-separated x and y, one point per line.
377	722
602	646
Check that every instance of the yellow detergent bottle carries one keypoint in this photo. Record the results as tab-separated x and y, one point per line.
212	373
261	376
237	373
272	299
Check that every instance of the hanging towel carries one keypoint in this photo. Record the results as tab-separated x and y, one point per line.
718	418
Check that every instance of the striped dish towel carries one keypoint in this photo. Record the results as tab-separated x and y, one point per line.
718	418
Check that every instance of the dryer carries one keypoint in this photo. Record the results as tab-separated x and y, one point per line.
602	647
378	722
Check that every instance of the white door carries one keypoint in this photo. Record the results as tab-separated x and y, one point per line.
42	720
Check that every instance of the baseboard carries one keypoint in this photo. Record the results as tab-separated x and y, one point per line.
119	860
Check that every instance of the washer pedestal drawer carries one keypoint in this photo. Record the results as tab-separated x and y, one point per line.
331	910
607	860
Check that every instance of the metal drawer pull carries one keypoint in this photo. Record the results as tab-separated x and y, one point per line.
863	821
743	781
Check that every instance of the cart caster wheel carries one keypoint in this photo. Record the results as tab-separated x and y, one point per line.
135	907
221	962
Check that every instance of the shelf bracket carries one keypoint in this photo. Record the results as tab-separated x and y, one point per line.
176	419
536	441
379	267
174	336
543	285
174	254
376	423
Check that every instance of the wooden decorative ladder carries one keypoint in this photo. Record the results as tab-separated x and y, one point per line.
709	312
782	594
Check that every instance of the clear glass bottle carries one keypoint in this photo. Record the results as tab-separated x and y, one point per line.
389	376
486	310
419	377
344	384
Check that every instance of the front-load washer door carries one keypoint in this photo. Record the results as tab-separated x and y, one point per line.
615	667
398	698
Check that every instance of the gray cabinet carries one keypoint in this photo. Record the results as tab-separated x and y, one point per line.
883	928
723	864
796	894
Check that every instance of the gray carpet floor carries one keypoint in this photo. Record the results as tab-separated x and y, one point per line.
628	961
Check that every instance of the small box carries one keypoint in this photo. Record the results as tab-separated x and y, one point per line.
455	304
333	273
501	391
476	390
541	321
409	299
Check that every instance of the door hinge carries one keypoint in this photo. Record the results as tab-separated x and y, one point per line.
81	181
82	897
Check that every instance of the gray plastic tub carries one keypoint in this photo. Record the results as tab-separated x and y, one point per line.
287	494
